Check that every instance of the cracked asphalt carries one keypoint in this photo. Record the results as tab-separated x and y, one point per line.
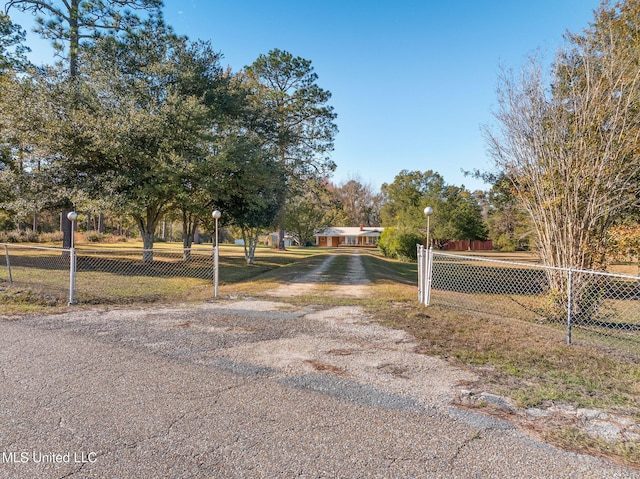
247	388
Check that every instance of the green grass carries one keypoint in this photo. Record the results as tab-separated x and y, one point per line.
21	301
114	273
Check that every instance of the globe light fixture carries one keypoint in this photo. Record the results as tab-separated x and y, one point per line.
428	211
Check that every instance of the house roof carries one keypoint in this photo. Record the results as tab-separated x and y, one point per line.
350	231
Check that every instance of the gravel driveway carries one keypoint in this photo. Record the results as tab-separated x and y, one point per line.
248	388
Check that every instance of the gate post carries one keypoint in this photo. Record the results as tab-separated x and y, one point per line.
569	304
420	249
6	252
428	276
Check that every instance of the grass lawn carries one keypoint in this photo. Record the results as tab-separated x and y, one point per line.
114	273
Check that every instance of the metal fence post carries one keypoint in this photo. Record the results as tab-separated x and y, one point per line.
428	276
569	304
72	276
420	264
216	251
6	252
215	272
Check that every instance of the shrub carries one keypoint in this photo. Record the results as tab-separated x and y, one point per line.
94	237
16	236
399	244
55	237
406	246
384	242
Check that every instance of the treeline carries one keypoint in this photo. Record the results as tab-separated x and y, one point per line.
140	123
140	127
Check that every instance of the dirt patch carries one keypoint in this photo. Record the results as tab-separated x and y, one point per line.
344	341
327	368
350	283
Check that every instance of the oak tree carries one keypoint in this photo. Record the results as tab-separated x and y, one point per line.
150	135
72	23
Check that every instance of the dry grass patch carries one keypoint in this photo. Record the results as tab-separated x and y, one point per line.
531	364
326	367
526	361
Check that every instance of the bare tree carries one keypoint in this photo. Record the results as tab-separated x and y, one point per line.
570	146
359	201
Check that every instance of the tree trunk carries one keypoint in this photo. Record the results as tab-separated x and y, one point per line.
283	201
187	242
189	228
250	240
65	225
74	38
147	242
280	220
147	225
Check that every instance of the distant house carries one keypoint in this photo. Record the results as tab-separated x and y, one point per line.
363	236
271	239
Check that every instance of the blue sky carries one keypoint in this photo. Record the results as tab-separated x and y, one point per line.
412	81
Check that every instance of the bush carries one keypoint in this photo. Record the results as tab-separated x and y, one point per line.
399	244
95	237
18	237
6	223
55	237
384	242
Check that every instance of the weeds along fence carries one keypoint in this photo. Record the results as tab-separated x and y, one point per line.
585	306
105	276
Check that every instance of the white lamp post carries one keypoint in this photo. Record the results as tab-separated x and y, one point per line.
428	211
216	216
72	216
426	282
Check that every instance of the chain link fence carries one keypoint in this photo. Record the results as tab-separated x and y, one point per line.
106	276
43	272
586	306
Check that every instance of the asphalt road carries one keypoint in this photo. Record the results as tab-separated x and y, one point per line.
245	389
